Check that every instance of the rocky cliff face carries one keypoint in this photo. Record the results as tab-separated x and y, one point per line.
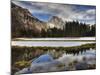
24	23
56	22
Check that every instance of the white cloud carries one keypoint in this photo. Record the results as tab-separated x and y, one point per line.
65	11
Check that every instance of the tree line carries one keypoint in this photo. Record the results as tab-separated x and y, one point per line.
71	29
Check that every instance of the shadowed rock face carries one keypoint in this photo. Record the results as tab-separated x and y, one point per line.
24	24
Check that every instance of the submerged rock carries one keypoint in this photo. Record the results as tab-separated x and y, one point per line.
81	66
23	71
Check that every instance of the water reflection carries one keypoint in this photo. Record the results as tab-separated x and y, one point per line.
82	60
48	43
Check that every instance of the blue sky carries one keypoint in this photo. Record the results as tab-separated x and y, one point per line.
44	11
42	16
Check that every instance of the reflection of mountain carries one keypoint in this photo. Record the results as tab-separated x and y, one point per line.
46	63
43	58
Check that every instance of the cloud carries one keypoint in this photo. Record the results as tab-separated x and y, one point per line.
65	11
88	16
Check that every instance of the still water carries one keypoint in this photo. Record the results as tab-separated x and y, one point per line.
48	43
66	38
66	62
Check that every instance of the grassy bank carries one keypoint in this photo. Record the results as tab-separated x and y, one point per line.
27	53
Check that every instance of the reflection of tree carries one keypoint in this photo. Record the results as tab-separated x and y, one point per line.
33	52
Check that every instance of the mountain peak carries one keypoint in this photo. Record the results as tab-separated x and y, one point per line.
57	22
